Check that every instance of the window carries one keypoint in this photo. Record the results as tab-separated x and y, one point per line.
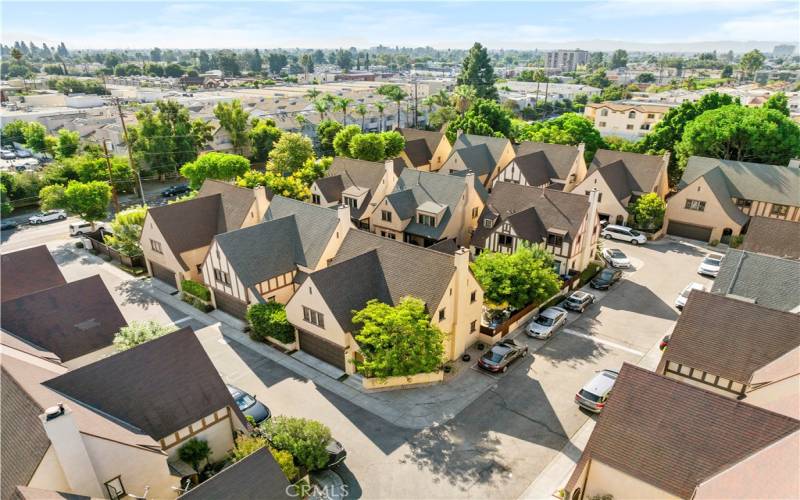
632	115
505	240
386	216
629	127
488	223
555	239
651	116
156	246
115	488
426	220
351	202
315	199
700	206
743	204
474	212
441	314
603	112
601	124
473	326
222	277
780	210
313	317
599	196
199	268
645	126
473	297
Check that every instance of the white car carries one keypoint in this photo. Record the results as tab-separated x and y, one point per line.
48	216
710	265
623	233
545	324
616	258
684	295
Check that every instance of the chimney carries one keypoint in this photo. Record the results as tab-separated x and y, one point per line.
588	241
389	175
262	201
461	336
459	133
581	149
60	427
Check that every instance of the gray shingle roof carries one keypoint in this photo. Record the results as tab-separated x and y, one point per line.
476	158
627	173
331	187
27	271
777	237
420	144
730	338
719	186
532	211
236	201
315	225
159	387
370	267
255	476
769	281
494	145
559	157
751	181
347	172
69	320
675	436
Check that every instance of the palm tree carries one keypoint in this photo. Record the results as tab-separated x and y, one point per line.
462	97
312	93
380	106
341	105
428	102
398	96
321	106
330	99
441	98
361	111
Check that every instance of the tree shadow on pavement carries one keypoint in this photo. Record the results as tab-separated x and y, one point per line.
135	292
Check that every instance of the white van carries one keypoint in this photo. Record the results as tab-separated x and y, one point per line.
623	233
82	227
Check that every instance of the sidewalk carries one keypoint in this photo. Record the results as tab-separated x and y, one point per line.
555	476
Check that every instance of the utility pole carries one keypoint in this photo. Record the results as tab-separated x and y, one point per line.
130	152
414	79
111	178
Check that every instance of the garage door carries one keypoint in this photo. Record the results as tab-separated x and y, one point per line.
689	231
322	349
163	274
230	304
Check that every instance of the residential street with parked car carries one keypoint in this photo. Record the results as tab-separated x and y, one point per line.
517	422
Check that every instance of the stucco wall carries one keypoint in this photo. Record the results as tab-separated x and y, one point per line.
603	479
713	216
219	437
781	397
608	205
150	231
308	295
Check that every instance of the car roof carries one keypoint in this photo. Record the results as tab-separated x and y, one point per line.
501	349
617	250
551	312
579	294
715	256
601	383
617	227
695	286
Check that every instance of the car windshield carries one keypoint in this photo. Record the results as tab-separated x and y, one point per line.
574	300
711	261
544	321
686	291
588	395
493	356
635	232
606	275
616	254
244	401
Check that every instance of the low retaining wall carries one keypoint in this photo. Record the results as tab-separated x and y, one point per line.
391	383
288	347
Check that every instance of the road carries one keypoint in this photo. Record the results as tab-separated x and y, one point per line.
497	445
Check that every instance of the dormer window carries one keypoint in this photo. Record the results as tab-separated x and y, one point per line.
350	202
315	199
488	223
426	220
555	240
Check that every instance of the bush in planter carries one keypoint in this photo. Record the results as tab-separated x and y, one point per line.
194	452
736	241
199	290
306	440
246	445
269	320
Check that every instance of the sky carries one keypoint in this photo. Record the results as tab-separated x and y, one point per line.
593	25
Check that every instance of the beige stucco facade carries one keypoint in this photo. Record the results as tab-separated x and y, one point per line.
512	173
713	215
439	156
601	479
608	206
630	121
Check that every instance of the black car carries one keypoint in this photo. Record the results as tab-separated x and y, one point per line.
606	278
501	355
176	190
336	453
249	405
7	225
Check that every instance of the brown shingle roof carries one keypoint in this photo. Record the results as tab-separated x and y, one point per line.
556	158
236	201
69	320
420	144
27	271
255	476
158	387
729	337
673	435
777	237
626	173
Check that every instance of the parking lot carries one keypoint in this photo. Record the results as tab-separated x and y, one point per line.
498	444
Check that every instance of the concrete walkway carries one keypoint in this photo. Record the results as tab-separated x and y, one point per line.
554	477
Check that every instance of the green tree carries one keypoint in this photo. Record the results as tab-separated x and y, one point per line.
139	332
741	133
195	451
269	320
645	78
518	279
290	153
484	117
397	340
36	137
14	131
381	107
276	62
234	120
619	59
341	142
263	135
68	143
369	147
463	97
393	93
727	71
5	203
616	143
648	211
751	62
247	445
569	128
341	105
326	132
361	110
779	102
394	143
221	166
597	79
477	71
88	200
126	230
305	439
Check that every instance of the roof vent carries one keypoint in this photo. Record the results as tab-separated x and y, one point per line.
54	412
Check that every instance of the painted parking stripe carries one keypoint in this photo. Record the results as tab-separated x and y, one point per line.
182	320
601	341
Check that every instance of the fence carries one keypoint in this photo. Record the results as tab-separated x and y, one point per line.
97	242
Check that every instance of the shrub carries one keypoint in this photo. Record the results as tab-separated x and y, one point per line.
194	451
139	332
269	320
306	440
79	244
106	257
197	289
736	241
713	243
591	270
